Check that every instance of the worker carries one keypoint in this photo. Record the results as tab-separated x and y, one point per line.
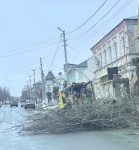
77	98
62	100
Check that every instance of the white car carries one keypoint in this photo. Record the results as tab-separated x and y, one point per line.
23	102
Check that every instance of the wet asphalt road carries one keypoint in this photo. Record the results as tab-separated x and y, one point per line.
11	140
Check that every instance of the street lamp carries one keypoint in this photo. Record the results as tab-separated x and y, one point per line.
59	29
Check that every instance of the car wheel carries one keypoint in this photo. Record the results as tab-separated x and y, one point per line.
33	107
10	106
25	107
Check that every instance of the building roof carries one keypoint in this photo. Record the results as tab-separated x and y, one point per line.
82	65
130	18
133	17
50	76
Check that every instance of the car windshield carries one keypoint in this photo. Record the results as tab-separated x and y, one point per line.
69	74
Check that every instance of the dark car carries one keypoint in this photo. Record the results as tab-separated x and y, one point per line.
14	103
29	104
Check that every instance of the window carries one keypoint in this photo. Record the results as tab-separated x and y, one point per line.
97	62
109	54
123	45
104	79
115	50
105	57
100	59
48	87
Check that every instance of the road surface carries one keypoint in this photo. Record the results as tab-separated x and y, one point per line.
11	140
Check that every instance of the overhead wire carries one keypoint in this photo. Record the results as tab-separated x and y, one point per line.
83	34
114	15
35	43
109	19
88	18
117	2
77	51
27	51
23	47
55	52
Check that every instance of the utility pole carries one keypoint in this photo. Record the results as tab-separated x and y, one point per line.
27	90
30	87
42	81
34	75
65	51
34	92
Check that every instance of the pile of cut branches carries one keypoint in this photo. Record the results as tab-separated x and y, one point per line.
88	116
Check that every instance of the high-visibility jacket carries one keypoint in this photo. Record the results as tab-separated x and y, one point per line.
61	104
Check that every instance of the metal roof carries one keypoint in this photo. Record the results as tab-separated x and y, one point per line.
83	64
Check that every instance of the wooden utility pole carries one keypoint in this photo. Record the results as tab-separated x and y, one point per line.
42	81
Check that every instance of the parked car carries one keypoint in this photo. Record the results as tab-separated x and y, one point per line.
30	104
7	102
23	102
0	104
14	103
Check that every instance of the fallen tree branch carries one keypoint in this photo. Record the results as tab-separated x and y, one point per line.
88	116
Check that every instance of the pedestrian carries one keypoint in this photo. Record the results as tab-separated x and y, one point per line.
77	98
49	97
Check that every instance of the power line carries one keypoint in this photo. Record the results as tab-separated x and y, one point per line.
88	18
98	21
109	19
27	51
117	2
35	43
23	47
55	52
77	51
114	15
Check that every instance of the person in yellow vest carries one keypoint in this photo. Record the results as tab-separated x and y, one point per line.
62	100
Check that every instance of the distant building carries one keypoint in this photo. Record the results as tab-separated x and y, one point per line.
75	72
88	72
116	49
49	81
59	81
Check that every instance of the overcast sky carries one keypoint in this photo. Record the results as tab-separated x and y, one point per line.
28	29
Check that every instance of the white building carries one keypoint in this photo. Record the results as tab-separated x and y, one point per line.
116	49
75	72
59	81
88	72
49	81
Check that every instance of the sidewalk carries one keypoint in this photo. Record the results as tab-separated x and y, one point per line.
45	105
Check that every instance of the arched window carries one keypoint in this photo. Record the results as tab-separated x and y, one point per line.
109	54
105	57
115	51
123	45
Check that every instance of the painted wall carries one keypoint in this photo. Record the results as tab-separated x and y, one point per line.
87	74
116	49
